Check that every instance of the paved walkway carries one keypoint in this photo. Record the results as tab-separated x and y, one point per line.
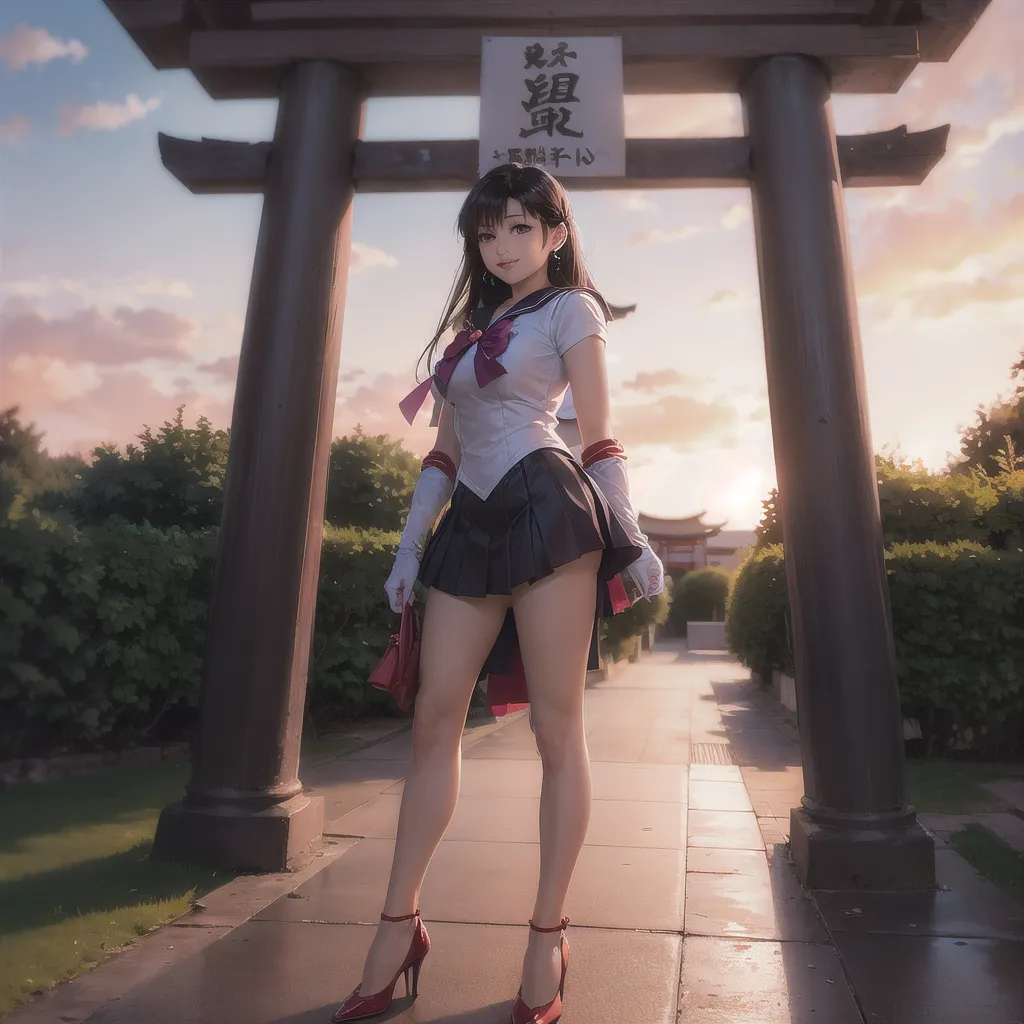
684	909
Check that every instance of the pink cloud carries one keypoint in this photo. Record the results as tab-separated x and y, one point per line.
113	410
951	297
224	369
106	117
27	45
89	336
677	116
896	246
660	380
677	421
374	406
13	130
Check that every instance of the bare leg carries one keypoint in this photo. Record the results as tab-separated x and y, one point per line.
457	635
555	620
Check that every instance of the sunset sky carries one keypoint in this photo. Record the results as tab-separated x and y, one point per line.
122	295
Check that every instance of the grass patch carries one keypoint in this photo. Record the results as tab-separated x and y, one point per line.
76	881
955	787
989	855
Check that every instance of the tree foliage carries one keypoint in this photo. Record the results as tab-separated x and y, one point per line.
371	482
981	443
698	596
918	506
26	469
173	477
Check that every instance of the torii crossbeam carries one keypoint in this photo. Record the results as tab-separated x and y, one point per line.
245	807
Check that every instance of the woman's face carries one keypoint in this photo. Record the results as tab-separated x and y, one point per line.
515	249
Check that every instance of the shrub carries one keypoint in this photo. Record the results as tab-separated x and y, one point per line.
102	630
618	632
699	596
918	506
756	613
353	623
958	622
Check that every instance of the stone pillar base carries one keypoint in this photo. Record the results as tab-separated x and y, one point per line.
275	839
827	856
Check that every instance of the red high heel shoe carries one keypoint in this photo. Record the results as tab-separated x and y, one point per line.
551	1013
358	1007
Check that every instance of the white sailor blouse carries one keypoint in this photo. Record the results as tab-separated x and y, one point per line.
505	378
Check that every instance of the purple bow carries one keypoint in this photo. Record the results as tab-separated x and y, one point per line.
489	345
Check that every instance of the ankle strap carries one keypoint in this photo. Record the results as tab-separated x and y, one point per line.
404	917
558	927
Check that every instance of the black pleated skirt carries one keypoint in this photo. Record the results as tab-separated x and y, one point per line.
545	512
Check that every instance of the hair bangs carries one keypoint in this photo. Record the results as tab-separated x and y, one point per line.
487	203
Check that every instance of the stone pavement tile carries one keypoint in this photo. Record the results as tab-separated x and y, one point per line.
668	743
661	783
729	981
346	784
774	831
611	743
970	907
724	830
787	779
485	819
715	773
774	805
516	820
1011	791
902	979
495	883
277	973
500	777
766	902
637	823
514	741
724	862
718	796
395	749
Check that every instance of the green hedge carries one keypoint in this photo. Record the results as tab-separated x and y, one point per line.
618	631
958	622
698	596
102	630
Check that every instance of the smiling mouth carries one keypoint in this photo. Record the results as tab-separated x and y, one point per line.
507	264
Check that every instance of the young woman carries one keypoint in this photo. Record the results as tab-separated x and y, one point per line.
522	557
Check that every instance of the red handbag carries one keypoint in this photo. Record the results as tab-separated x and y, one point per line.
398	672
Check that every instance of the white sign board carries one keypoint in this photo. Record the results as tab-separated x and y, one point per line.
553	102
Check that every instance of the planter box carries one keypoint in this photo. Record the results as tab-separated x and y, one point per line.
706	636
784	688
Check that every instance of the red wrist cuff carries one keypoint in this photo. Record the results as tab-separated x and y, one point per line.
439	460
609	448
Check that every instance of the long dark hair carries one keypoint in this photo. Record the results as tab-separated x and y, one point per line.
541	196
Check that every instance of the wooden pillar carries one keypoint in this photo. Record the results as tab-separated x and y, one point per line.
854	828
245	807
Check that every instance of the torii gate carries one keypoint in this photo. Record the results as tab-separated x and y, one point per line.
245	807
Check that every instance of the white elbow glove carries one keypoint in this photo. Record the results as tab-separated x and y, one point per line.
647	571
432	491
